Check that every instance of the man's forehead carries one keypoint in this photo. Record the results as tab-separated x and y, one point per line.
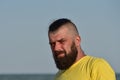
60	31
58	35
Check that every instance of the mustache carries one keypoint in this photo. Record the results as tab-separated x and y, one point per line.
59	52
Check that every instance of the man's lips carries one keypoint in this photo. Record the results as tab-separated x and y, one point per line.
60	55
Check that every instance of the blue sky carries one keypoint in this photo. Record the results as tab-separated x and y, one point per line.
24	44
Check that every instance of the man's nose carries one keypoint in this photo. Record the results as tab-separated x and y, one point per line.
57	46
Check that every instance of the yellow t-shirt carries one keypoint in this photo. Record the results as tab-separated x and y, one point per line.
87	68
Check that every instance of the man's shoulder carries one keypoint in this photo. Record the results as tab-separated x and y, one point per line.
96	61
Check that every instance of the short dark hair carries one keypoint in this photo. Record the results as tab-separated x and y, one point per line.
58	23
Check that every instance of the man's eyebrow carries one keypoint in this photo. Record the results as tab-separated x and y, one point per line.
51	42
62	39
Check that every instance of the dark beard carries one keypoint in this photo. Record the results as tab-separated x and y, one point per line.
66	61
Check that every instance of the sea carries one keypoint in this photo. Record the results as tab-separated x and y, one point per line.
34	76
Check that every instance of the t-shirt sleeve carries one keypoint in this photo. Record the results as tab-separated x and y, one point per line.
101	70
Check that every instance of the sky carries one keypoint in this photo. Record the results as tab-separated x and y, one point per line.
24	45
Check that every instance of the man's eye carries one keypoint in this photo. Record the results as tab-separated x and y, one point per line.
62	41
52	44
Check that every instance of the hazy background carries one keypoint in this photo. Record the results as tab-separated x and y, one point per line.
24	44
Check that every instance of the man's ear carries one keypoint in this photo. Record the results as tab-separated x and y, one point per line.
77	41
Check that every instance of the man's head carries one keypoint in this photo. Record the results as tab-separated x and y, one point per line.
64	41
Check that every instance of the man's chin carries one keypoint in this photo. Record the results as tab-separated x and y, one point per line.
63	67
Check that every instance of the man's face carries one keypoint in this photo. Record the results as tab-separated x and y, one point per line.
63	48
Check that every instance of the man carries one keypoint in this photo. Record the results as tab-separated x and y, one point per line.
72	62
